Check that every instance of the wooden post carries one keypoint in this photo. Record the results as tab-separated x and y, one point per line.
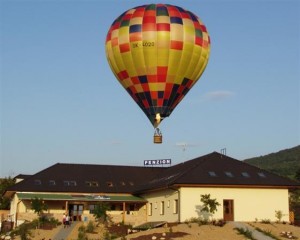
66	208
147	211
124	211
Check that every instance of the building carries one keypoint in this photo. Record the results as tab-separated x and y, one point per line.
141	194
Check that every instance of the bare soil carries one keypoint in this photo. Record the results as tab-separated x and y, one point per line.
182	231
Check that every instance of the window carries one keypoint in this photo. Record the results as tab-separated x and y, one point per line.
110	184
70	183
175	207
95	184
229	174
87	183
212	174
261	174
92	208
51	183
150	209
162	208
168	204
92	183
245	174
37	182
122	183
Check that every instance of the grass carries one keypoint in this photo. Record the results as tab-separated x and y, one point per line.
267	233
246	232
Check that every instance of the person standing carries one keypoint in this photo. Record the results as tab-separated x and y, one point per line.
67	220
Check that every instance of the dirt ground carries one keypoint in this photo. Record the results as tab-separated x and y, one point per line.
182	231
277	228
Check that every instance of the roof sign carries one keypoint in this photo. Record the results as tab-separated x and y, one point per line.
157	162
101	197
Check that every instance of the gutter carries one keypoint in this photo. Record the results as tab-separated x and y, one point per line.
17	211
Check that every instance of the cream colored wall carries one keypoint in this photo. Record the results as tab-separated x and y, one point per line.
156	199
13	206
249	204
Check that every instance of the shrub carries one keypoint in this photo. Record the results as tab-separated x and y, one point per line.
267	233
219	223
278	215
90	228
24	231
82	233
246	232
266	221
81	228
82	236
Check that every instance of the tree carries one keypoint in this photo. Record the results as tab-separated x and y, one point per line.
38	206
297	175
294	199
209	205
4	184
24	231
100	212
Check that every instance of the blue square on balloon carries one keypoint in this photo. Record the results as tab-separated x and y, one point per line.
135	28
160	94
143	79
177	20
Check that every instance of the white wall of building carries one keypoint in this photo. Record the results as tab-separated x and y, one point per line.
161	206
250	204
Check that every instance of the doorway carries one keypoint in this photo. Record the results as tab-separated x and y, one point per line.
228	210
75	211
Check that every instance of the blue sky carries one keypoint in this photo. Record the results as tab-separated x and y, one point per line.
60	102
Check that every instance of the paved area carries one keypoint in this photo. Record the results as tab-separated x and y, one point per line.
63	233
256	234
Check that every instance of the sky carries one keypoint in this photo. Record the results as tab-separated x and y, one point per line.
60	102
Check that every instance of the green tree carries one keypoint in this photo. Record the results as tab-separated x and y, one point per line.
38	206
278	215
209	205
4	184
294	199
297	175
24	231
100	213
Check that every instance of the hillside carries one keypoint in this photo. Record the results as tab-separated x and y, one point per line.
284	163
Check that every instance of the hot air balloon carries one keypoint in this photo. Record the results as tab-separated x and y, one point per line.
157	52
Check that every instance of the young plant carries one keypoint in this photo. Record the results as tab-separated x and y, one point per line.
100	213
246	232
209	205
278	215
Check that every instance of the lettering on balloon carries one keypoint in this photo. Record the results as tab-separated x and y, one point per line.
142	44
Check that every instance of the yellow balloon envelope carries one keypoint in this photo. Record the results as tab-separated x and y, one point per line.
157	52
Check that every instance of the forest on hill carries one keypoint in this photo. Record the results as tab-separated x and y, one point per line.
284	163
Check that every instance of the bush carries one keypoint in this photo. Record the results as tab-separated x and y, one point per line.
82	236
219	223
81	233
246	232
90	228
24	231
278	215
266	221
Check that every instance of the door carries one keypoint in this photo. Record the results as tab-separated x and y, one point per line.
228	210
75	211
